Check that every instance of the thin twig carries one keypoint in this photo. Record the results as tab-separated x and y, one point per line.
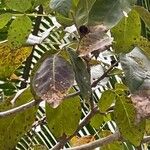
104	75
19	108
29	105
94	144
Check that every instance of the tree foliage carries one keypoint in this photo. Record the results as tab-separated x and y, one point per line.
62	64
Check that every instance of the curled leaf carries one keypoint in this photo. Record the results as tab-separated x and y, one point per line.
77	141
52	79
95	39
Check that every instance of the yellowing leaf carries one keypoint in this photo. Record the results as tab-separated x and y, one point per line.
11	59
77	141
14	126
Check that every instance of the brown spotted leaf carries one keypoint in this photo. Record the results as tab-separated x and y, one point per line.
95	39
11	59
52	79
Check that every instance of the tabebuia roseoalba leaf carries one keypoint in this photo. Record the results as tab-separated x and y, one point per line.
52	78
94	39
125	118
82	76
11	59
64	119
19	31
14	126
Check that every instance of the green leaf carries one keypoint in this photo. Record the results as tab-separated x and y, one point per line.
144	14
18	5
106	100
109	12
125	118
61	6
117	145
82	11
52	78
65	118
13	127
11	59
144	45
4	19
39	147
97	121
126	33
18	31
81	74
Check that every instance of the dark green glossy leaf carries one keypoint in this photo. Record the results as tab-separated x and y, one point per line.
81	74
65	118
106	100
126	33
52	78
125	114
109	12
61	6
18	31
4	19
18	5
13	127
97	121
144	14
82	11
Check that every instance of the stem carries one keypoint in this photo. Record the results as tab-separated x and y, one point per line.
32	15
104	75
101	142
19	108
29	105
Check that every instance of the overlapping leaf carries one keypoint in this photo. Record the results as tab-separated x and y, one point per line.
81	74
52	78
18	31
13	127
126	33
109	12
11	59
96	39
4	19
64	119
61	6
125	115
18	5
